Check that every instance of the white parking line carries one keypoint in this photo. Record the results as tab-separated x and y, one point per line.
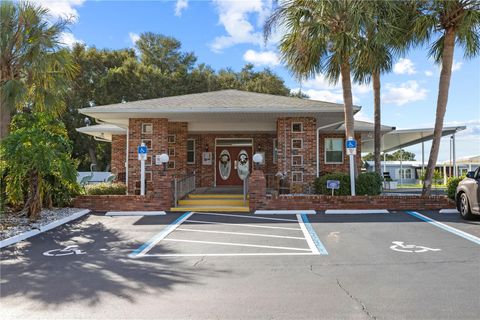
242	224
237	244
229	254
241	233
244	216
362	211
285	212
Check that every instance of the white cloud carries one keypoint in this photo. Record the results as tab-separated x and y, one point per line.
262	58
406	92
456	65
235	17
134	37
68	39
61	8
404	66
180	6
428	73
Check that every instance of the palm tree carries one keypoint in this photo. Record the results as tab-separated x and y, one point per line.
34	69
384	38
321	37
452	22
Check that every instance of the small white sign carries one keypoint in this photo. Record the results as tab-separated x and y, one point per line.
158	160
142	156
351	151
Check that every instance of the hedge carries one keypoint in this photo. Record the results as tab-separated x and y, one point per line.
368	183
104	188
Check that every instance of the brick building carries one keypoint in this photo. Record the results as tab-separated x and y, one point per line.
216	134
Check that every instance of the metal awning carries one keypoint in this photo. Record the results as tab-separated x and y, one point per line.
102	131
399	139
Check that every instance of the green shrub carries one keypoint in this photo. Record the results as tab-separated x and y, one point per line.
369	183
36	165
106	189
452	184
321	184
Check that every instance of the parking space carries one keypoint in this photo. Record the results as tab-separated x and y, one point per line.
213	234
206	265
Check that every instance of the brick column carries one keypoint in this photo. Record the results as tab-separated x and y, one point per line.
257	190
159	145
163	191
118	152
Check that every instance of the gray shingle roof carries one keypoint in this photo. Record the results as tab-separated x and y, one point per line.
221	101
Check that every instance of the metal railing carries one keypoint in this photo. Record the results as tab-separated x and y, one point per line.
245	189
183	186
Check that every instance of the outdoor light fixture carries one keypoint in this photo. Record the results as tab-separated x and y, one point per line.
206	147
258	159
164	158
87	121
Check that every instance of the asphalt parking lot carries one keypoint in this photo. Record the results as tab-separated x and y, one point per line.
399	265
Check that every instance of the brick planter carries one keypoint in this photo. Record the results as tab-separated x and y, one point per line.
324	202
120	203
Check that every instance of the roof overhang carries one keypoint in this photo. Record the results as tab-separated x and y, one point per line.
103	132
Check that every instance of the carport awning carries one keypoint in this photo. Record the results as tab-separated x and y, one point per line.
399	139
102	131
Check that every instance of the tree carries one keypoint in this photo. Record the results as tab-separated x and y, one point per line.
450	22
34	69
396	156
164	53
384	38
36	161
321	36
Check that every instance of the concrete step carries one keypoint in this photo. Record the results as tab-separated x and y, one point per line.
211	209
212	202
215	196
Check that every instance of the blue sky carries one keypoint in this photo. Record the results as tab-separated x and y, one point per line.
228	33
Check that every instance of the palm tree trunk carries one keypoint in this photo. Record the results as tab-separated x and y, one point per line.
443	87
377	122
347	100
4	119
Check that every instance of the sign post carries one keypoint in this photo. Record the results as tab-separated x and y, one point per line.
351	145
142	156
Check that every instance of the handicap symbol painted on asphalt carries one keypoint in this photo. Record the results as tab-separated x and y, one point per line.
69	250
401	247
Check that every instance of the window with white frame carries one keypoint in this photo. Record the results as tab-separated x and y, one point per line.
297	176
297	126
171	165
171	138
333	150
405	173
148	143
191	151
275	150
297	144
297	160
171	151
147	128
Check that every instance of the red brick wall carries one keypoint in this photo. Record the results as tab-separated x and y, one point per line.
345	166
119	203
180	131
324	202
285	151
119	151
158	146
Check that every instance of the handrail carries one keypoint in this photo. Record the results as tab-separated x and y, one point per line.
183	186
245	189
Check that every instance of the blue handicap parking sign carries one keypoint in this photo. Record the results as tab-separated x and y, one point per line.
142	149
333	184
351	144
